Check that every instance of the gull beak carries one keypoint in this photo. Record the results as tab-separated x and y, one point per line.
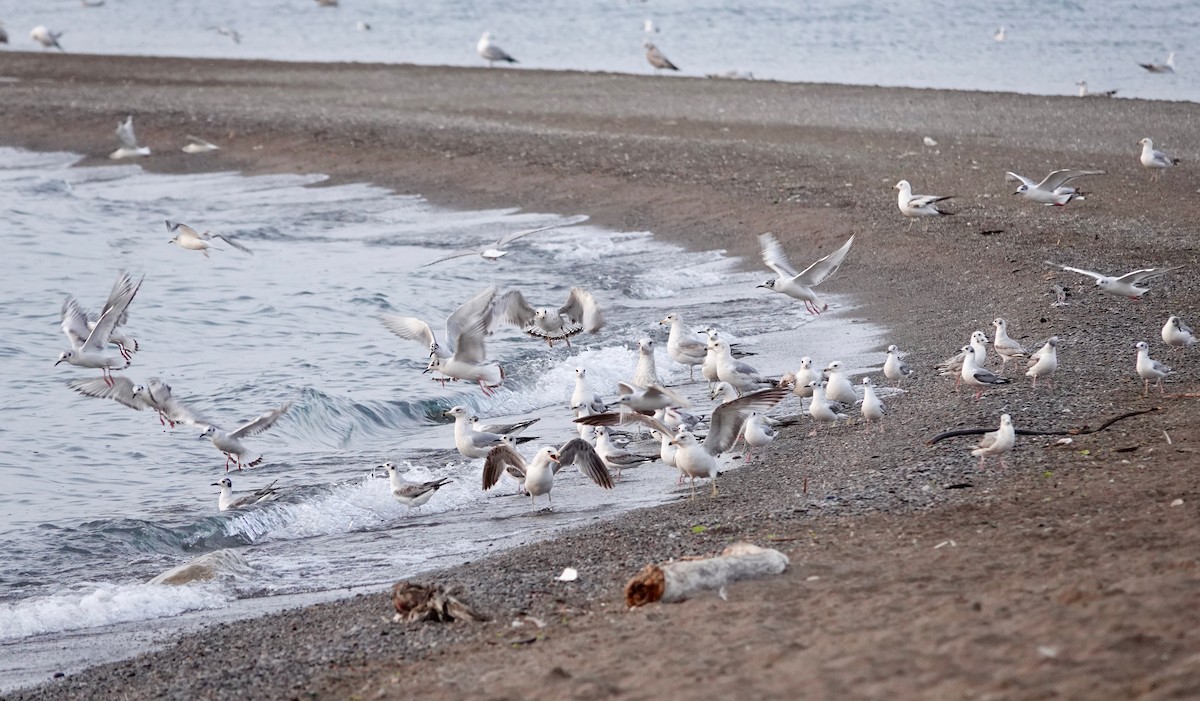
757	286
675	442
201	437
59	361
554	457
216	484
1016	192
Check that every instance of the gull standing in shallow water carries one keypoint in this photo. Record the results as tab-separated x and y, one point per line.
585	398
997	442
1150	369
1123	286
414	495
646	373
919	205
683	346
977	377
226	501
186	237
127	141
799	285
88	345
1053	190
1044	363
1177	334
742	376
540	471
1155	160
469	442
491	52
580	314
231	443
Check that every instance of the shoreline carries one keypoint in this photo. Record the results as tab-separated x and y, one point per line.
634	152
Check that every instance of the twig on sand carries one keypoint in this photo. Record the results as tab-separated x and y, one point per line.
1084	430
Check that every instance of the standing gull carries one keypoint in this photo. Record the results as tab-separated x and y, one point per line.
997	442
1177	334
837	385
872	409
919	205
803	378
227	501
540	471
1053	189
744	377
953	364
583	397
757	432
491	52
1083	91
1007	348
500	249
1155	160
127	141
580	314
1123	286
47	38
894	368
1044	362
646	374
231	443
469	442
821	409
977	377
89	346
1150	369
683	346
799	285
656	58
1166	67
186	237
615	459
413	495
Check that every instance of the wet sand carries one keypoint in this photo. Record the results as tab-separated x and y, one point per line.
1070	574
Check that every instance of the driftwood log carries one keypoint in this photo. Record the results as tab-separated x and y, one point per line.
679	579
422	602
1082	431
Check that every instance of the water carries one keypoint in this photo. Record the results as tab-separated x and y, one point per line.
1050	44
97	499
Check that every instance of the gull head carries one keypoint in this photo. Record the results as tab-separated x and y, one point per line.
646	345
892	349
683	438
670	318
806	362
769	284
137	390
455	412
434	348
434	363
835	366
1146	142
65	356
866	381
224	482
1142	347
580	372
902	186
209	431
1052	341
1000	324
648	45
487	36
389	467
1005	420
1021	188
979	336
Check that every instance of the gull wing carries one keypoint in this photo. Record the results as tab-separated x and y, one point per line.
232	242
1183	328
988	440
409	328
512	308
509	238
727	419
120	391
825	268
612	419
1058	178
114	312
125	135
469	346
184	229
119	289
1012	177
580	452
1146	274
507	429
581	308
1096	276
491	52
74	322
260	424
201	142
988	377
174	409
774	257
924	200
452	256
497	461
416	490
659	392
479	306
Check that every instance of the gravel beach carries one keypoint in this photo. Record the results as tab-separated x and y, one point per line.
1074	573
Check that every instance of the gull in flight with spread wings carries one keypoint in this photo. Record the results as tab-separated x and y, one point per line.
580	314
463	355
540	471
90	340
1053	190
500	248
1123	286
155	395
187	237
799	285
231	443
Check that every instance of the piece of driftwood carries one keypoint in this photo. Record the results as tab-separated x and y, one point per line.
677	580
429	602
1082	431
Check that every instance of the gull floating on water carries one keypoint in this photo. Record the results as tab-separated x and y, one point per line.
799	285
894	368
231	443
186	237
580	314
499	250
227	501
1155	160
1166	67
155	395
683	346
540	471
919	205
463	355
1044	363
1150	369
997	442
872	409
197	145
999	35
656	58
1125	285
1083	91
1053	189
128	142
1006	347
977	377
90	341
413	495
1177	334
491	52
47	38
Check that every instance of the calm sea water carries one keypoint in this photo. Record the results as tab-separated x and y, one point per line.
1049	44
96	499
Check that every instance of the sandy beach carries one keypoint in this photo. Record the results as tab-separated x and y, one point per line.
1072	574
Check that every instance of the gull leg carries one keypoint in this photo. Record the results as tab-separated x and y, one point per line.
978	393
714	485
568	340
1160	387
1035	381
1145	387
981	459
693	488
1003	464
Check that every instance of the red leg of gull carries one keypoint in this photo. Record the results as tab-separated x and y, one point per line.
568	340
978	393
227	459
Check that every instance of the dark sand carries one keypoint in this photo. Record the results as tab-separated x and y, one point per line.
1069	575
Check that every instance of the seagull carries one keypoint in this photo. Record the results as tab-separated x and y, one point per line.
709	368
580	314
646	374
469	442
1123	286
821	409
540	471
503	429
584	397
802	378
615	459
1153	159
837	386
697	458
227	501
929	141
47	38
977	377
742	376
872	409
1150	369
1083	91
1053	190
463	356
649	399
231	444
996	442
128	142
155	395
90	341
186	237
1044	362
1177	334
756	433
999	35
3	34
799	285
725	391
649	27
1005	346
894	368
491	52
683	346
919	205
500	248
1167	67
228	32
362	26
953	364
197	145
413	495
656	58
1060	296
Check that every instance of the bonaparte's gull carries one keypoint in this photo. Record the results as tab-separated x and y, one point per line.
47	38
803	378
872	409
1150	369
1044	362
646	372
1083	91
231	443
894	368
580	314
127	145
695	458
500	248
1155	160
1006	347
757	432
656	58
614	457
683	346
1123	286
491	52
90	341
837	384
919	205
197	145
463	356
1177	334
469	442
540	471
227	501
511	429
709	367
977	377
799	285
228	32
413	495
821	409
648	399
953	364
155	395
999	35
744	377
996	442
1167	66
1053	190
187	237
